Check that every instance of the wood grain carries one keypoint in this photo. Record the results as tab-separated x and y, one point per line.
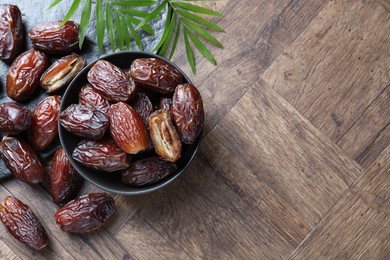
358	226
337	69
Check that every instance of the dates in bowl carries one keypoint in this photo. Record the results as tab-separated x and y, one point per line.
131	122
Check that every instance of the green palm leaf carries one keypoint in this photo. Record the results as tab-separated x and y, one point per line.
72	10
196	8
190	55
85	16
100	24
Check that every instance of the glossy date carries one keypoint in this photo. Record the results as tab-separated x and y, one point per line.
14	118
23	76
156	75
164	135
127	128
65	181
142	105
103	155
89	97
61	73
188	113
84	121
86	213
110	81
21	160
52	39
22	224
11	31
147	171
44	128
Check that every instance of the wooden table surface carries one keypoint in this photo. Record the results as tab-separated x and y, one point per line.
295	161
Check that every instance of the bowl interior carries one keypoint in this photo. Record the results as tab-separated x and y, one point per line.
111	181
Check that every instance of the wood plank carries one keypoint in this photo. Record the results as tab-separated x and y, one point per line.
97	245
337	69
358	227
255	36
371	140
246	196
6	252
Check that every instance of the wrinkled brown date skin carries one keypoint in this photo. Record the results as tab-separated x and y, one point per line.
164	135
127	128
11	31
84	121
110	81
65	181
14	118
188	113
86	213
52	39
103	155
23	76
61	73
147	171
22	224
22	160
142	106
156	75
44	128
89	97
166	104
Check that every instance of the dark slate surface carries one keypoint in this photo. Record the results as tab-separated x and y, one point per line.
33	13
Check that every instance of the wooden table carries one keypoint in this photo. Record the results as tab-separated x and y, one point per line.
295	161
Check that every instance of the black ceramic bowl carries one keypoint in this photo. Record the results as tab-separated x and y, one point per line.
111	181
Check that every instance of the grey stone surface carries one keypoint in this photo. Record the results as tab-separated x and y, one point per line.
34	12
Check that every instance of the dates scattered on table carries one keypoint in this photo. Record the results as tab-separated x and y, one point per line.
22	224
132	123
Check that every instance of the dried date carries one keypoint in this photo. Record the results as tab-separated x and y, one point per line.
166	104
103	155
188	114
86	213
61	72
14	118
156	75
127	128
22	224
89	97
44	128
147	171
23	76
65	181
142	105
11	31
84	121
111	82
164	135
22	160
53	39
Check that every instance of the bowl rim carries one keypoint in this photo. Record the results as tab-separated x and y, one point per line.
134	190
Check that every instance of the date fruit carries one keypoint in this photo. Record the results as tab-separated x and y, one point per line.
52	39
188	114
156	75
86	213
61	72
65	181
11	31
23	76
166	104
164	135
84	121
22	160
142	106
111	82
127	128
22	224
44	128
14	118
103	155
89	97
147	171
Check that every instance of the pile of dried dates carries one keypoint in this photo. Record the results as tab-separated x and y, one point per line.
133	122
